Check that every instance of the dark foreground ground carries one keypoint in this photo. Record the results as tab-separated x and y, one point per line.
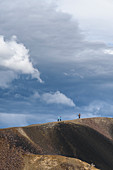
66	145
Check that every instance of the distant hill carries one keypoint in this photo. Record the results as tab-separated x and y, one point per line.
67	145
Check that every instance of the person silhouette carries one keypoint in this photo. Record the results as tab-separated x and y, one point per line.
60	118
79	115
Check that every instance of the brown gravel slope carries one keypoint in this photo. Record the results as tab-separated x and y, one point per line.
101	124
19	152
13	146
88	140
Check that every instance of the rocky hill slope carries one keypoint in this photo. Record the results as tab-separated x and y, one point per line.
66	145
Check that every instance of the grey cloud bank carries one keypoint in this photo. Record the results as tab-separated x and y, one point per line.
47	33
52	36
97	25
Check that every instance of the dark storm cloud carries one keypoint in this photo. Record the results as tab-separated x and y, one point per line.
49	34
52	36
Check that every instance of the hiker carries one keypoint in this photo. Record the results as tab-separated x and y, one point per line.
79	115
60	118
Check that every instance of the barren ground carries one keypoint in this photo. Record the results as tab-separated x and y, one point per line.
67	145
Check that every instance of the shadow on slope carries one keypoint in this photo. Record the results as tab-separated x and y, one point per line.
73	140
101	124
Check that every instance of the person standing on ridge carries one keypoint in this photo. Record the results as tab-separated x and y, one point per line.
60	118
79	115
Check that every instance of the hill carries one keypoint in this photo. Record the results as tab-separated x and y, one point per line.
77	144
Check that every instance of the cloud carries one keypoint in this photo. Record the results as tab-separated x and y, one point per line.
47	33
15	120
57	44
19	120
36	95
98	108
6	77
11	119
15	57
86	9
108	51
51	35
72	73
101	24
57	98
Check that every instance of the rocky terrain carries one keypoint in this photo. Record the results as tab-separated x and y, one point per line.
81	144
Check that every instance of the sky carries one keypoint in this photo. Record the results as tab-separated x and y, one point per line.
56	59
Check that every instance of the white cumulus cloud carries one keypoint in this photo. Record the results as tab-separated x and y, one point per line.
108	51
57	98
15	56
